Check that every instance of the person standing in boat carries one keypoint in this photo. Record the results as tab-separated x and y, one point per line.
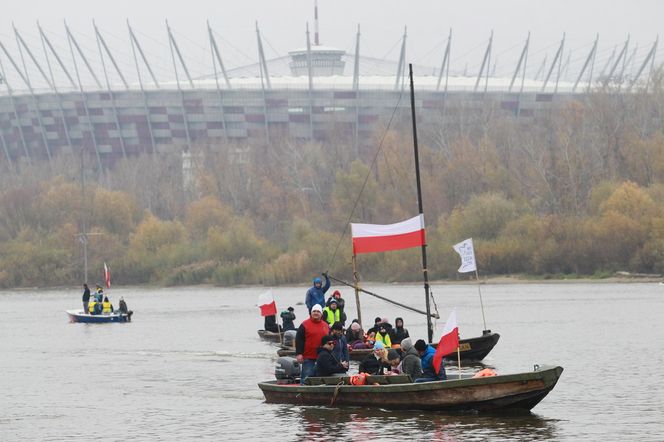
316	294
86	297
341	303
411	363
333	314
287	318
308	339
426	353
340	350
398	333
271	324
326	363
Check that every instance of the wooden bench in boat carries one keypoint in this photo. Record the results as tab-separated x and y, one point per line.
345	380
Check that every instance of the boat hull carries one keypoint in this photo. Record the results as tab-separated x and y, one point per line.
85	318
270	336
505	393
471	350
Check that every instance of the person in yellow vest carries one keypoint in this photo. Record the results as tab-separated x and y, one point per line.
331	313
107	307
91	306
384	337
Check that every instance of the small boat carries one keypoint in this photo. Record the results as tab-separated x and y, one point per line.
470	350
270	336
86	318
502	393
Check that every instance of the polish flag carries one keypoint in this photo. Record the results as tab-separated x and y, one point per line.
107	276
449	342
266	303
369	238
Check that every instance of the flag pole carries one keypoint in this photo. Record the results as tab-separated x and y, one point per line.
356	279
459	359
281	337
479	290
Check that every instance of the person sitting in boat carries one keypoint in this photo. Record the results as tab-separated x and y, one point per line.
355	335
394	361
426	353
340	350
92	306
376	325
398	333
99	294
383	337
287	318
326	363
341	302
375	362
411	363
106	306
332	313
271	324
123	306
307	341
316	294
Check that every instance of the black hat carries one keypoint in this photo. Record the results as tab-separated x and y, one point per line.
420	345
290	309
337	326
392	354
326	339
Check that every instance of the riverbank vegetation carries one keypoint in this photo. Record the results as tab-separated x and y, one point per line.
578	190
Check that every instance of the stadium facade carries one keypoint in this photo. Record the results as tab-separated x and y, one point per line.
316	92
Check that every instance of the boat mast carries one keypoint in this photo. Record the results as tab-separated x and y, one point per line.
425	272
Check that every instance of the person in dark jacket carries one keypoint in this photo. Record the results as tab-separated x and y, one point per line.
410	363
398	333
376	362
271	324
316	294
355	335
287	318
86	297
326	363
340	350
426	353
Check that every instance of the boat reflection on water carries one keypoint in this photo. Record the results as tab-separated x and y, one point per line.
376	424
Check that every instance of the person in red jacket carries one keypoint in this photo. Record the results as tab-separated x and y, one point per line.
308	339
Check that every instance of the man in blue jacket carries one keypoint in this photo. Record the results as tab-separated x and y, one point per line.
316	294
426	354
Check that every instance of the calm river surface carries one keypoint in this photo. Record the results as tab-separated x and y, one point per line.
188	364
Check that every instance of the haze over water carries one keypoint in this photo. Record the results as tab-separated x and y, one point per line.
187	366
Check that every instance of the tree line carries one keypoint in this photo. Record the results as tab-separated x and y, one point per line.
575	190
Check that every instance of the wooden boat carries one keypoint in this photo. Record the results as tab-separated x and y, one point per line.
518	392
86	318
471	350
270	336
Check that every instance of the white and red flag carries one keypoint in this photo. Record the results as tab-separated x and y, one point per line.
449	342
266	303
107	276
369	238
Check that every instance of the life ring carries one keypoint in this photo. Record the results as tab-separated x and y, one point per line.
358	379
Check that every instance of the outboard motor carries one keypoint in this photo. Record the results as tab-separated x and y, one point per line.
289	338
287	370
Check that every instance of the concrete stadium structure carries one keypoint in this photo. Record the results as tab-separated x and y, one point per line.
316	92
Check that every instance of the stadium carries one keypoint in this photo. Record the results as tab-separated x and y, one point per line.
56	102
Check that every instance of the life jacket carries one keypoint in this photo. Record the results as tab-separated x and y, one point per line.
91	307
106	307
387	342
332	316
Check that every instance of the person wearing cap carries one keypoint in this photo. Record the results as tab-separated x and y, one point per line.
341	302
426	353
308	339
326	363
398	333
332	314
355	335
316	294
376	362
411	363
287	318
340	350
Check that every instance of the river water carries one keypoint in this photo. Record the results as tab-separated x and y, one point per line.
188	364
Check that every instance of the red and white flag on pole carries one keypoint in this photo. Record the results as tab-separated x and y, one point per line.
369	238
449	342
107	276
266	303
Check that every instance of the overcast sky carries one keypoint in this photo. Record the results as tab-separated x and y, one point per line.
282	24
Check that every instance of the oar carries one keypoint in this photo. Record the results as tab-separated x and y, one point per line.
407	307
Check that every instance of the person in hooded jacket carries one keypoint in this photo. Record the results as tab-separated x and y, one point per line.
398	333
427	353
410	362
316	294
341	302
340	350
287	318
326	363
